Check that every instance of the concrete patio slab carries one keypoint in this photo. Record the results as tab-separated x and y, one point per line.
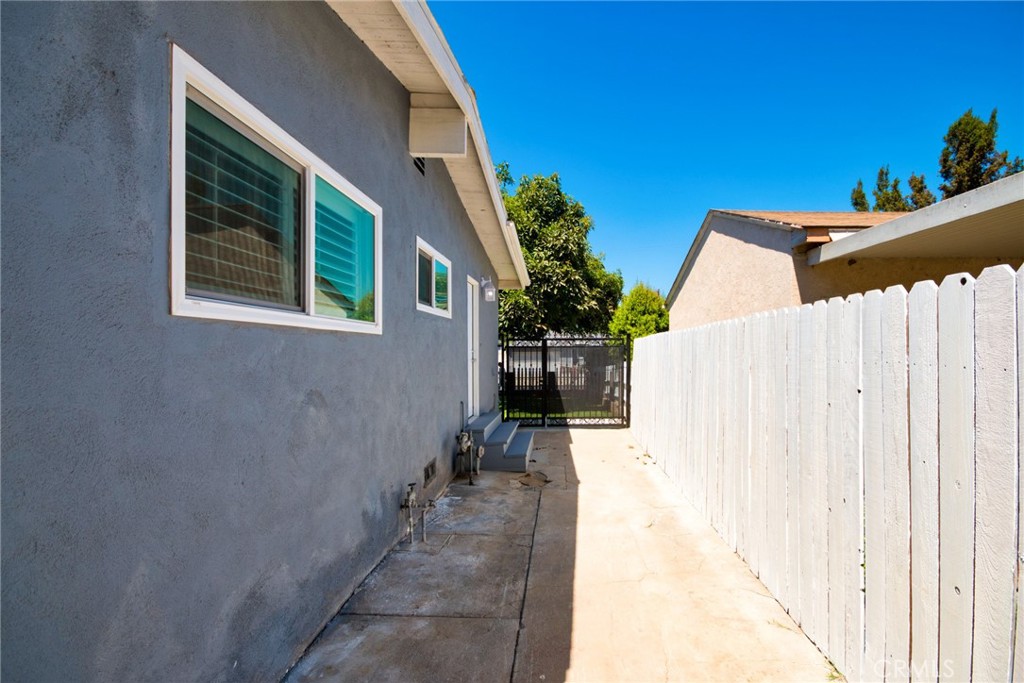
472	576
364	648
490	508
602	574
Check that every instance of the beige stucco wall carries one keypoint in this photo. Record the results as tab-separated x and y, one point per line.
743	268
740	268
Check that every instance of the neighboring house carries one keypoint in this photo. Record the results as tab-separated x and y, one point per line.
244	253
743	262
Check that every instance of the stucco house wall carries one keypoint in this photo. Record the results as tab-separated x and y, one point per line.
743	266
186	499
740	268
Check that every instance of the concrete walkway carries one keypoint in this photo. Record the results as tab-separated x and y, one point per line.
602	574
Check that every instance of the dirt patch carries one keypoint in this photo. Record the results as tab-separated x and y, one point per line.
534	479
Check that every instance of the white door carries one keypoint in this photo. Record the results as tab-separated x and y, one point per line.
473	346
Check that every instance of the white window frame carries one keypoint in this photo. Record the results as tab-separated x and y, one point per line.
187	72
435	256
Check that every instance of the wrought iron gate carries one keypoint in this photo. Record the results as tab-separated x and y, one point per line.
566	381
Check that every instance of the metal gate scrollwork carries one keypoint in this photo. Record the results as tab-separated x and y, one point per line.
565	381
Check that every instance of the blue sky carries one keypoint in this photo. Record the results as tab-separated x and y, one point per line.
653	113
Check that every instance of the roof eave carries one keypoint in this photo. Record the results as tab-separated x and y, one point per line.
1005	196
489	219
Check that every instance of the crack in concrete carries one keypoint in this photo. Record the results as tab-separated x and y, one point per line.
526	589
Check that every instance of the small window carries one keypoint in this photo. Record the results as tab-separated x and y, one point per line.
433	288
262	230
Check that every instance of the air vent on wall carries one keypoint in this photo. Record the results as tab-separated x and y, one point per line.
421	164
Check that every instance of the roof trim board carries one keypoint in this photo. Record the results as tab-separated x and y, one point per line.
988	221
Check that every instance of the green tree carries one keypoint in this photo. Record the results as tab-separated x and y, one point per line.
642	312
920	195
570	290
858	199
969	159
887	195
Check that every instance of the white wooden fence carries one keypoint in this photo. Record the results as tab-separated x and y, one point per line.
862	456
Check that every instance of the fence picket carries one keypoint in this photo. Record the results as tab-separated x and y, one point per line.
687	484
1018	641
709	421
759	436
896	494
995	476
836	542
727	435
744	496
681	425
956	475
793	510
922	324
722	407
776	536
874	486
853	488
808	484
818	470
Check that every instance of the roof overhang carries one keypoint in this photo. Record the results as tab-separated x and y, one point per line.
986	222
444	121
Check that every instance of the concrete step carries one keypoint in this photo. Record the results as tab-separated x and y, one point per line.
509	450
521	448
500	438
483	426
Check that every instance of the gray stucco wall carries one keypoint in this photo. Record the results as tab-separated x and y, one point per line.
187	499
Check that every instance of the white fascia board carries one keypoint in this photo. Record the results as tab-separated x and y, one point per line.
518	260
755	220
986	198
421	22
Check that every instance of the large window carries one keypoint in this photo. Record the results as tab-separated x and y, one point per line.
263	231
433	288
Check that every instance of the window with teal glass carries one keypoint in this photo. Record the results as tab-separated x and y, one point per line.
440	285
432	287
344	255
263	231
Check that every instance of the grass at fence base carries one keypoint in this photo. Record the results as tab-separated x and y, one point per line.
570	414
529	408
